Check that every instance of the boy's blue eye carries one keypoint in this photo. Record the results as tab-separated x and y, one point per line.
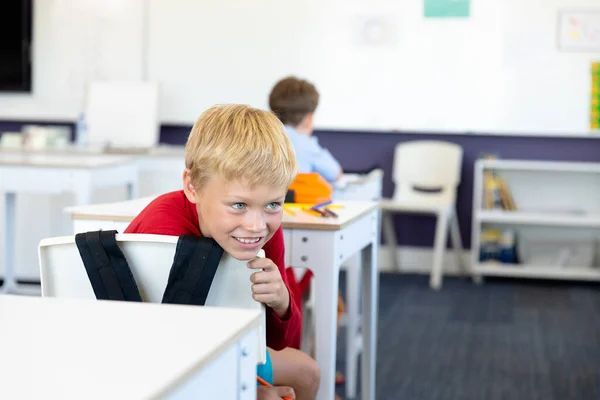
273	206
238	206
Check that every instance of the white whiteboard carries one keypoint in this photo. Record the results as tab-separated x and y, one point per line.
75	42
379	65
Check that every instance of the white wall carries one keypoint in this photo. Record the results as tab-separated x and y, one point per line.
497	71
75	41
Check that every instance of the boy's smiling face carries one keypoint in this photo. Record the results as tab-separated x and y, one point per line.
239	217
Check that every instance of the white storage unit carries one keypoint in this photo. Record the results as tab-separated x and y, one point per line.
557	220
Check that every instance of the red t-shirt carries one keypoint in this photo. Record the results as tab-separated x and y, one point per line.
173	214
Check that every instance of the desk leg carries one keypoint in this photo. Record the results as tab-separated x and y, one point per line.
326	294
370	282
132	190
83	195
9	285
353	338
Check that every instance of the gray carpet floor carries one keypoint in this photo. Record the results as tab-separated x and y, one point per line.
502	340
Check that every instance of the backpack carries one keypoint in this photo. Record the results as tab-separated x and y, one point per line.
194	267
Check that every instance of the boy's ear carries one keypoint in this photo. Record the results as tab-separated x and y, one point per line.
188	187
309	119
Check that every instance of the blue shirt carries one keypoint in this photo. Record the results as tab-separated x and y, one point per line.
312	157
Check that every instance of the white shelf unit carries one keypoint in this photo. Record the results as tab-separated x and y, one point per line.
551	198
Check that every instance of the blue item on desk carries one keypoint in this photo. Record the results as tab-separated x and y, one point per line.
323	204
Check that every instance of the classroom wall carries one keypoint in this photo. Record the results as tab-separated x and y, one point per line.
499	70
437	56
356	151
379	64
364	150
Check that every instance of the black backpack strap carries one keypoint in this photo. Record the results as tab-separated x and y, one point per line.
194	267
106	266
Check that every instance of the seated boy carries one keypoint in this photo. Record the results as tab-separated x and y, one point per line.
294	101
239	163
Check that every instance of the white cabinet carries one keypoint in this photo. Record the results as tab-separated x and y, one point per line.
557	215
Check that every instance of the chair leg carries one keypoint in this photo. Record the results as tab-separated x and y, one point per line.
389	234
353	274
457	243
441	235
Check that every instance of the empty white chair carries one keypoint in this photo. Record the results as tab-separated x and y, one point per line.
426	174
122	114
150	258
359	186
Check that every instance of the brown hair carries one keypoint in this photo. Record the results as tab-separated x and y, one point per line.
291	99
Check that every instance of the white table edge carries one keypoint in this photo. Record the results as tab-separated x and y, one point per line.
253	323
90	215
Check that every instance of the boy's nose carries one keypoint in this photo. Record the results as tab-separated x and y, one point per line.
255	222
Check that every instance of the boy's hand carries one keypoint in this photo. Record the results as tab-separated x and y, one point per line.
268	287
274	393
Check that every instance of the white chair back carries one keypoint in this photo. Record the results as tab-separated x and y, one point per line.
150	258
361	187
122	114
434	166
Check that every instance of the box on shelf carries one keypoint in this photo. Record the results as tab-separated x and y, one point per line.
560	252
498	246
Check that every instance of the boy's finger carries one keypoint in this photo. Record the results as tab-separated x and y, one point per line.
262	288
261	263
264	298
260	277
285	391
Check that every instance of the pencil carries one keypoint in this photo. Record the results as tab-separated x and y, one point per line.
309	205
323	213
265	383
328	211
314	213
321	205
288	211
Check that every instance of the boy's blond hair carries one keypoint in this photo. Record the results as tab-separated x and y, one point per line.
237	142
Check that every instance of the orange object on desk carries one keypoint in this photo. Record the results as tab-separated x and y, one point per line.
311	188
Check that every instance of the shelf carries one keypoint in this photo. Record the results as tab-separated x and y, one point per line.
537	271
540	218
547	166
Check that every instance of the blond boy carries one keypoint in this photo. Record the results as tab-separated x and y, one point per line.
239	163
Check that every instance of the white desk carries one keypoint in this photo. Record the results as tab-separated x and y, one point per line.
160	168
322	245
311	242
76	349
55	174
159	171
359	186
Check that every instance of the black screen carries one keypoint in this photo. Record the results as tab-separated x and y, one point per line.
15	45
